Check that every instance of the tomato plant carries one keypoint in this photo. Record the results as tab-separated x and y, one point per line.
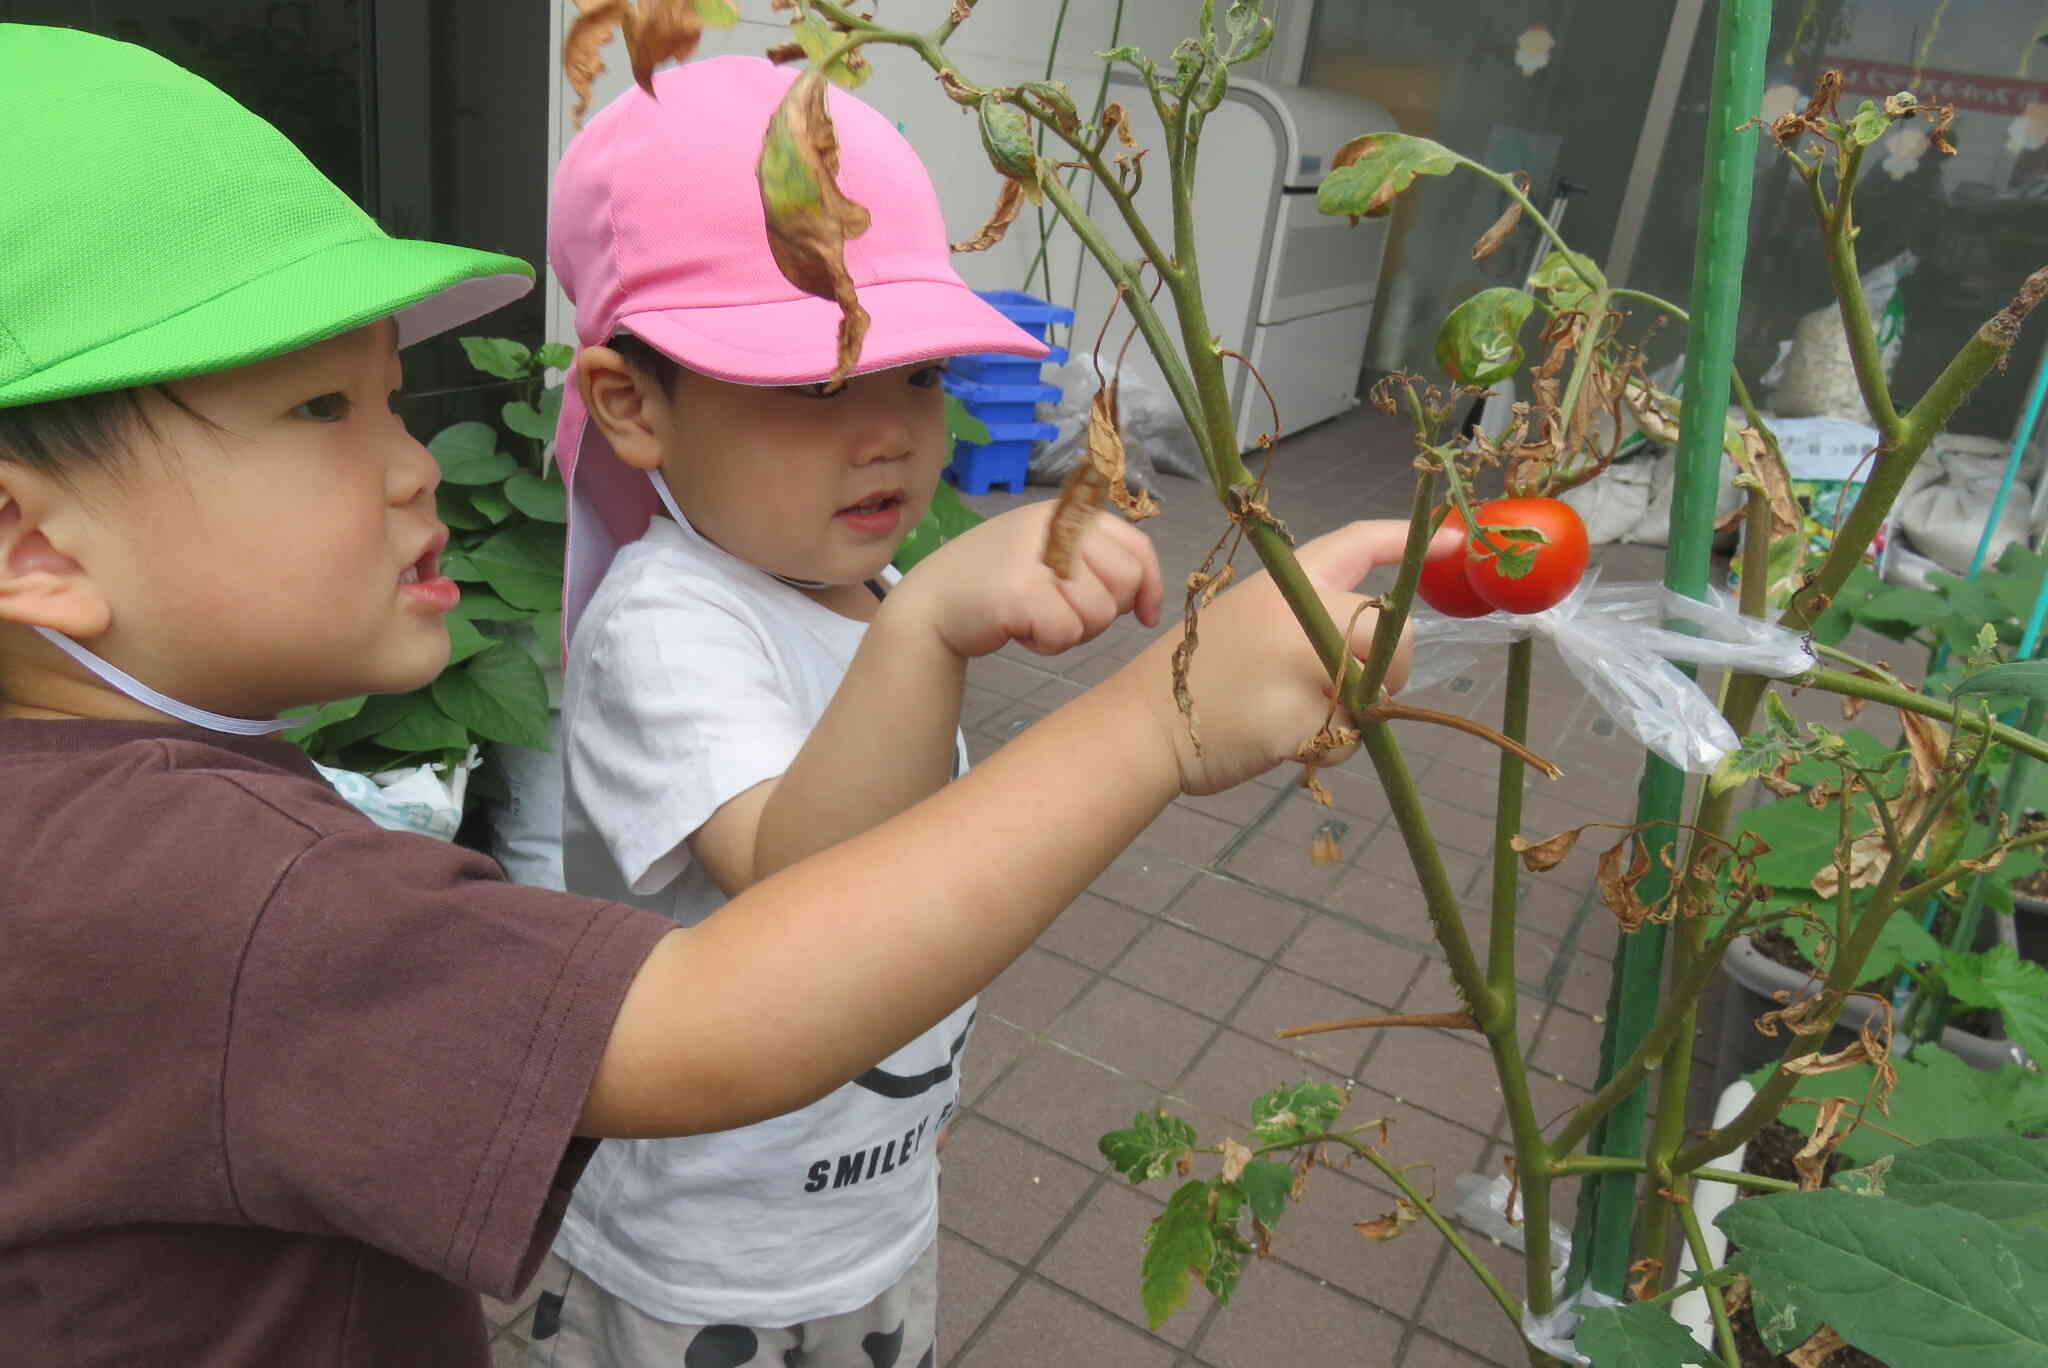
1443	585
1554	565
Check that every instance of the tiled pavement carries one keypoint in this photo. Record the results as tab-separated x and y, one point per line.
1165	985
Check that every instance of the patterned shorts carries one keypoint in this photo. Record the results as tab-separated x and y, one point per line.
577	1324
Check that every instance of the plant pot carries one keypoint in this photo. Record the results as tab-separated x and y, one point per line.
1757	978
2030	927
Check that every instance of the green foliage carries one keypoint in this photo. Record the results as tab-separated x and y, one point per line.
1951	612
1932	1286
1386	165
946	519
1938	1097
2003	1179
818	40
2024	679
1006	138
1638	1335
505	512
1150	1147
1181	1241
1296	1113
1479	343
1999	978
1563	276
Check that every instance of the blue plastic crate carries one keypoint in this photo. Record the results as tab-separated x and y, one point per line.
1029	312
1003	460
999	368
1002	403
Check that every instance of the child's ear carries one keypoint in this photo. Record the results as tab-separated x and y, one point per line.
41	583
627	406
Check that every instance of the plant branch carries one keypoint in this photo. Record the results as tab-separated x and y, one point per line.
1390	710
1697	1239
1627	1163
1449	1021
1906	700
1838	240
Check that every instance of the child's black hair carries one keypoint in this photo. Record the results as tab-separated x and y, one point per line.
657	366
62	438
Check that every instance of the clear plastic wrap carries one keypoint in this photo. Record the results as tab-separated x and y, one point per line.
1557	1332
1619	641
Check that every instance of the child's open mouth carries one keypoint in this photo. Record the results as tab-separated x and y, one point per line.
424	585
877	515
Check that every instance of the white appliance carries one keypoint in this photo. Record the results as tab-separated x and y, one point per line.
1286	286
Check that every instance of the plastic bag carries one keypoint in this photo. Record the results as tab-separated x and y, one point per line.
1557	1333
419	799
1947	499
1618	641
1156	437
1820	377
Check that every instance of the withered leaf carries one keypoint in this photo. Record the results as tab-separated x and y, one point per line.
1503	227
1943	116
1538	856
1324	850
657	30
1817	1350
1008	201
784	53
1106	453
1801	1018
595	22
1235	1157
1812	1159
1643	1280
808	217
1618	888
1851	706
961	9
1383	1228
1927	741
1315	787
1757	460
1081	496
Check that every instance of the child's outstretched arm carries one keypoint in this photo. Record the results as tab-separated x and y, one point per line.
886	740
808	979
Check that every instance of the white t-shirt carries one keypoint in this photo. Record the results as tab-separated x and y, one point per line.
693	677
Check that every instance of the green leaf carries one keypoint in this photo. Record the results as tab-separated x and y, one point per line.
1869	124
1801	839
1999	978
1296	1112
491	503
499	696
464	640
1150	1147
1555	275
718	13
1757	754
1938	1097
1006	138
457	565
1479	343
324	716
1638	1335
1265	1185
538	498
524	564
946	518
547	632
526	420
556	356
1902	943
1933	1287
1231	1248
1251	33
1904	606
2028	678
499	356
481	605
963	426
452	503
469	455
420	726
818	40
1381	166
2001	1178
1179	1242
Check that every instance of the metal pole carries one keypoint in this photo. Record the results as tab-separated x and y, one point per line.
1607	1203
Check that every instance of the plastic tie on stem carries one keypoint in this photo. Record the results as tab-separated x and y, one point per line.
1619	641
1483	1207
1556	1332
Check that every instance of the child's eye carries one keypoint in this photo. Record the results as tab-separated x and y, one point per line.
924	377
324	408
819	389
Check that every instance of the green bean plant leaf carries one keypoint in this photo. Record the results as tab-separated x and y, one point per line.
1638	1335
499	356
1479	344
468	454
1372	170
2001	1178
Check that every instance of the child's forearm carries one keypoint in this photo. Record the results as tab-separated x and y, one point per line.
806	980
886	741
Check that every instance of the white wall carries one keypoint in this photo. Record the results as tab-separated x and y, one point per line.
1004	41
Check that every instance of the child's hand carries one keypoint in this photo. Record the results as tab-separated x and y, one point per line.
989	587
1259	690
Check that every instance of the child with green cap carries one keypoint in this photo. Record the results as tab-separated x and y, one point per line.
281	1087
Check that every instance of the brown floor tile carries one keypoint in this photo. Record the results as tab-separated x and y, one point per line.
1437	1071
1067	1102
1554	1100
1460	1309
1034	989
1394	906
1584	982
1000	674
1429	1149
1237	1069
1387	856
1284	998
1239	806
1004	1192
1043	1325
1569	1044
1143	879
978	705
971	1282
1238	915
1147	1039
980	746
1094	930
1282	1316
1299	819
1011	720
509	1350
1193	838
1352	961
1283	867
1097	1257
1319	1235
1191	970
994	1047
1426	1351
1093	669
1548	904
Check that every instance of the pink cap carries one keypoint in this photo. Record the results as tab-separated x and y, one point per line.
655	228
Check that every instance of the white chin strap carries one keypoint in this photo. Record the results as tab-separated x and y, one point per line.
148	697
668	501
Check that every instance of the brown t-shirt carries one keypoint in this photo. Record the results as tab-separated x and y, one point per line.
276	1087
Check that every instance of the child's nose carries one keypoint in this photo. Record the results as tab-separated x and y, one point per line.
887	423
412	470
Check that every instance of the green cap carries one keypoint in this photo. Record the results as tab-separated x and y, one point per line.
150	227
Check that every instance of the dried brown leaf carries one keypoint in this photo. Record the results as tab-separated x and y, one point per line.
1618	888
1315	787
595	22
1800	1018
1538	856
1503	227
1757	461
1008	201
957	90
1184	1165
1265	1238
961	9
1105	452
1324	850
784	53
1643	1280
1927	741
808	217
1943	116
1655	412
1081	497
1114	119
1812	1159
1817	1350
1826	92
657	30
1851	706
1383	1228
1235	1157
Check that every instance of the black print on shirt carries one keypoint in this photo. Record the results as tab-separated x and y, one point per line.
900	1086
865	1164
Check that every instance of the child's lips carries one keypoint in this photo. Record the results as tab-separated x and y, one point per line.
424	585
876	515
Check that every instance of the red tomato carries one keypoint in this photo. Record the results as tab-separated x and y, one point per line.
1444	586
1560	560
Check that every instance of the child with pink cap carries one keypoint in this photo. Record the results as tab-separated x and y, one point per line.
748	683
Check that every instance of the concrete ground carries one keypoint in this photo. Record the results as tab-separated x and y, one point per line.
1165	985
